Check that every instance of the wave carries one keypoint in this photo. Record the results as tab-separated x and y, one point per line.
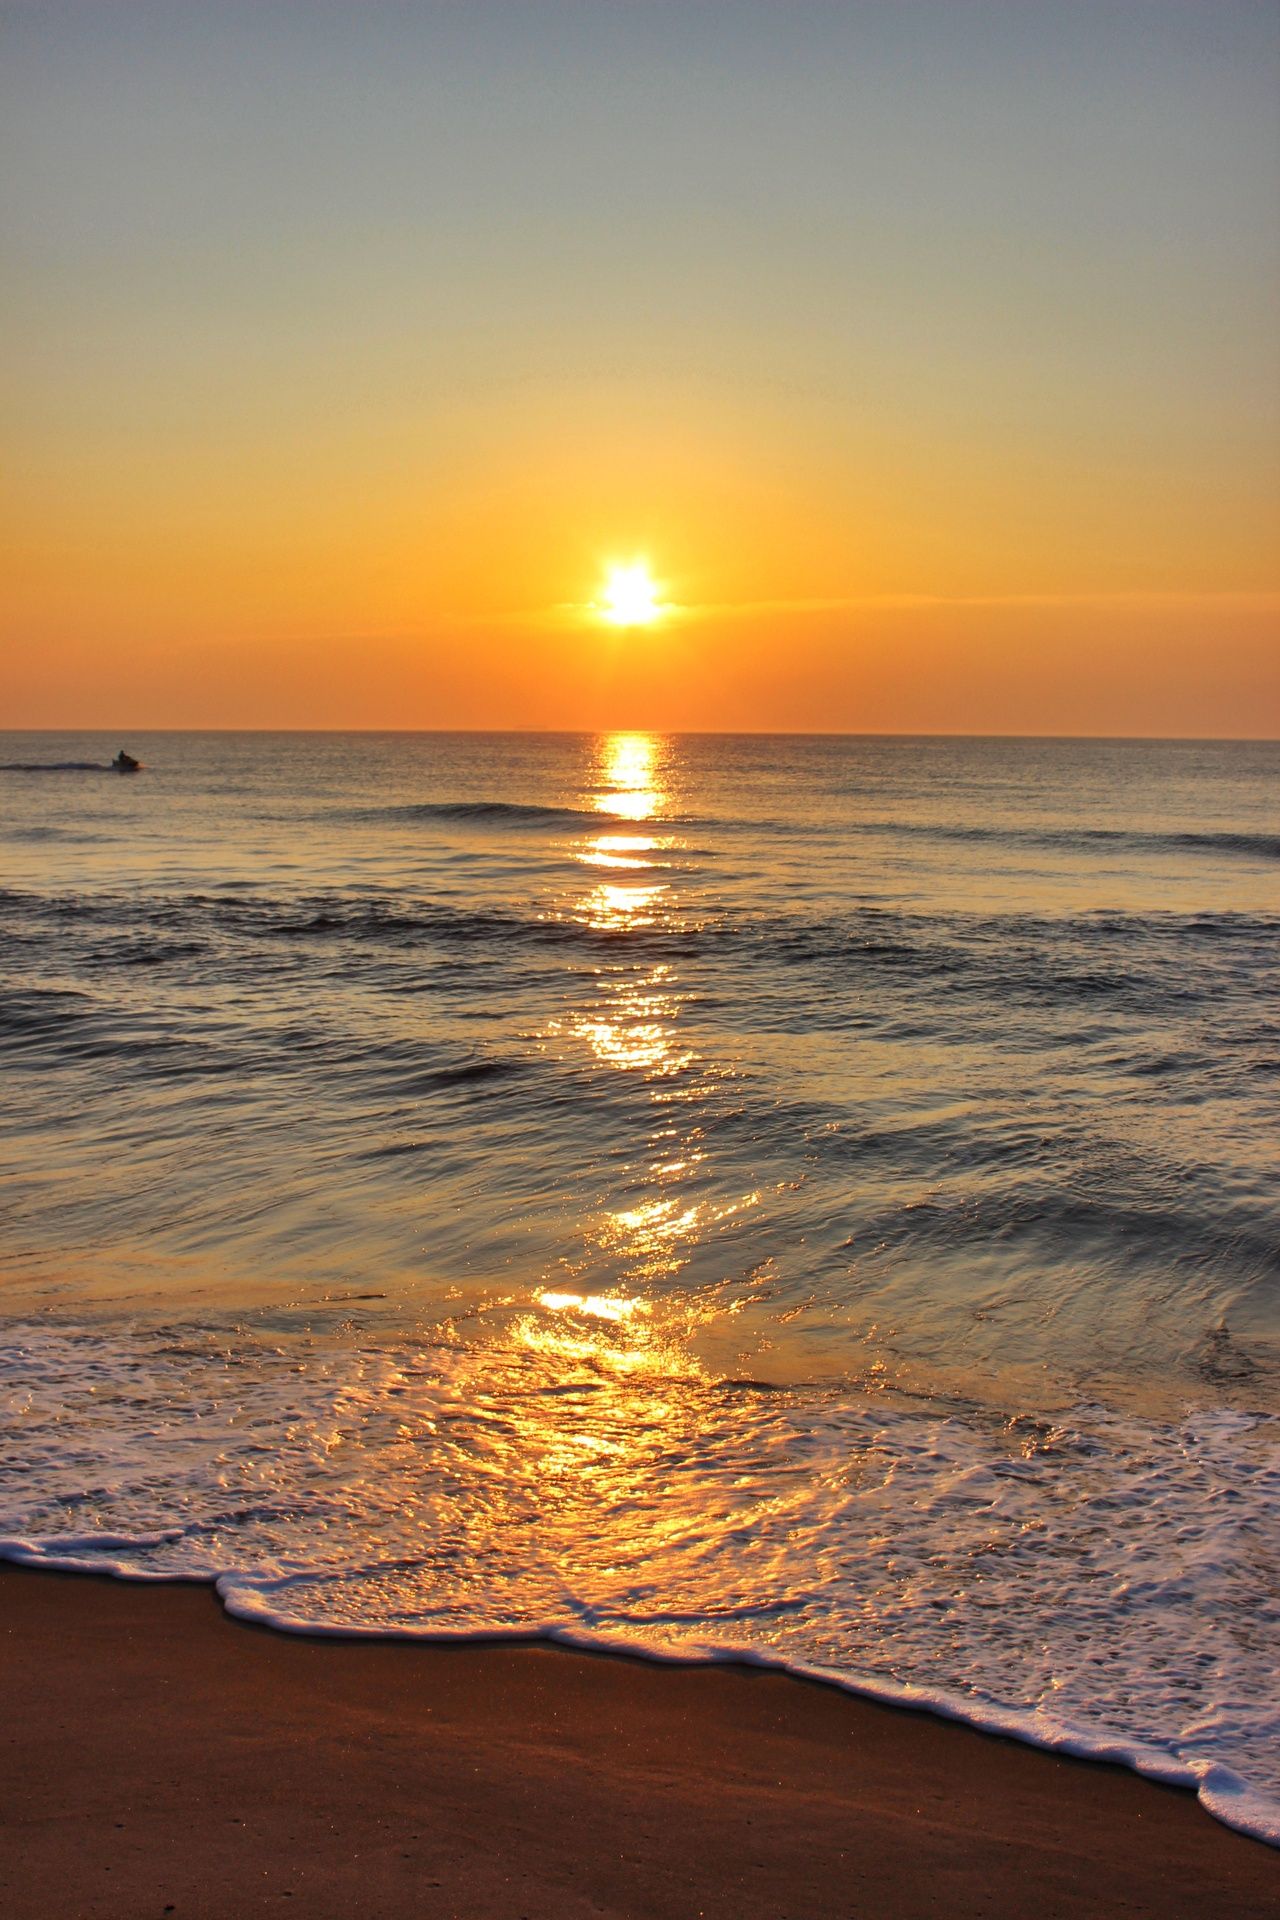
1077	1583
1258	846
1226	842
1231	842
513	813
1265	845
381	928
45	833
56	766
1152	961
482	812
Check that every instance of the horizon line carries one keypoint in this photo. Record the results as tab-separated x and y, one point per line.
686	733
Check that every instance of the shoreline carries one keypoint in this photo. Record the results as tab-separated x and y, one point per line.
161	1755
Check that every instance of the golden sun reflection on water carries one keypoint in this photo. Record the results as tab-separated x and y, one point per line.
655	1239
619	850
611	908
629	776
619	1336
628	783
616	1308
632	1025
600	1305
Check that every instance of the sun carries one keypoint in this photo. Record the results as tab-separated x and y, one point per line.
630	596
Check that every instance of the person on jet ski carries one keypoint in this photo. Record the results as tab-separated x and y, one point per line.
125	762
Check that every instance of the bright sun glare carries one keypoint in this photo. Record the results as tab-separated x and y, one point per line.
630	597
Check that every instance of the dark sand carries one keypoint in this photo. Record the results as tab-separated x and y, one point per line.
159	1758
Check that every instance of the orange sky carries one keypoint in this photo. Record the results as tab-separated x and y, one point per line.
339	364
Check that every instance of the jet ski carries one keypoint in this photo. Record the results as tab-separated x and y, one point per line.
125	762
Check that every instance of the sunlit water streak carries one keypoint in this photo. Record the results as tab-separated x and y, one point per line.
802	1199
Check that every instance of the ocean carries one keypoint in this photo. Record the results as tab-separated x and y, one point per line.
808	1201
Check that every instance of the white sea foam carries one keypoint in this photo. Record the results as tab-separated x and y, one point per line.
1100	1584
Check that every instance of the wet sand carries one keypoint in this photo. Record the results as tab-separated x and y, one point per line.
159	1758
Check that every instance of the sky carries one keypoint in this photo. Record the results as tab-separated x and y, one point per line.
926	354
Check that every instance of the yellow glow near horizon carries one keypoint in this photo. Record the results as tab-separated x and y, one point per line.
630	597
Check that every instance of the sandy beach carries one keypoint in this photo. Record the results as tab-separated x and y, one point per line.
160	1758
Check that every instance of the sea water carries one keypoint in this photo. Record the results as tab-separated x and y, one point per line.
809	1201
